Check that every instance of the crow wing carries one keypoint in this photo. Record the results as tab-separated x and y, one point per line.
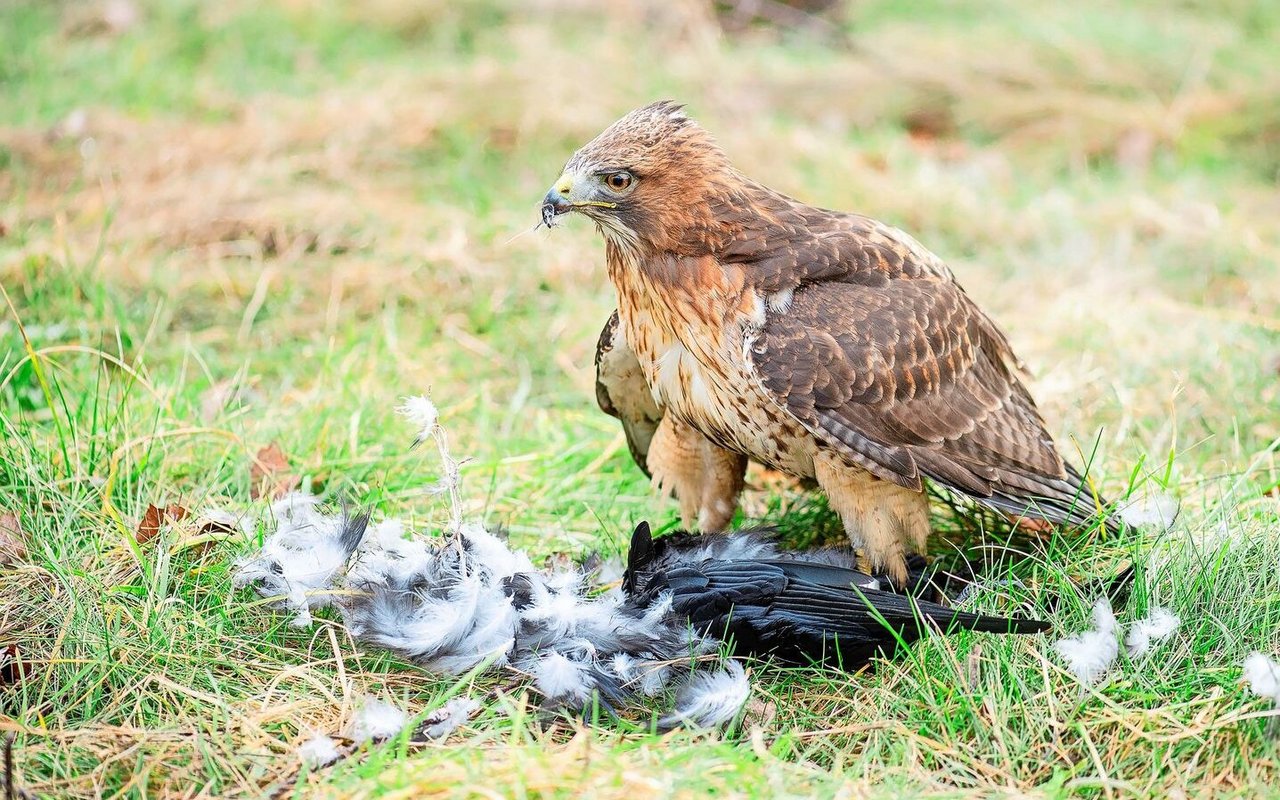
775	607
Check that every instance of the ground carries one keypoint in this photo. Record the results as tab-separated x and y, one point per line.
228	225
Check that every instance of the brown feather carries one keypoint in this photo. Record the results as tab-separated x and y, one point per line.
968	419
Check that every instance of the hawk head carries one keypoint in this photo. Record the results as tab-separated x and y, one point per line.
645	181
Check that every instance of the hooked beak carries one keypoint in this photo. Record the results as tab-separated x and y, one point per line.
557	200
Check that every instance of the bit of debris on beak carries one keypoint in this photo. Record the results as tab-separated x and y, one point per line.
551	208
557	201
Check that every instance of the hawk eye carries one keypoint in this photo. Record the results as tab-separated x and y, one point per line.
618	181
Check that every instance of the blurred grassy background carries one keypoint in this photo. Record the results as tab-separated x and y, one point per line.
223	225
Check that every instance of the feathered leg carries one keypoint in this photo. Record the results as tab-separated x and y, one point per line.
723	476
706	480
886	520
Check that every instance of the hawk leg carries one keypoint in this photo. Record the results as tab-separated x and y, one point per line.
886	520
706	480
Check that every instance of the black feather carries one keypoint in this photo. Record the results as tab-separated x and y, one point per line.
793	606
639	557
354	526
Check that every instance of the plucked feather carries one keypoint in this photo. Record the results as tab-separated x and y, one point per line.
456	603
1090	653
710	699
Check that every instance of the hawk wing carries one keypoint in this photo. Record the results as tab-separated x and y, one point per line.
622	392
906	378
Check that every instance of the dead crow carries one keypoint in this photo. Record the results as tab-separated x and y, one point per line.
798	607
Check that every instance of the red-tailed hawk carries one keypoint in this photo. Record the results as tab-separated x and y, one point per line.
823	344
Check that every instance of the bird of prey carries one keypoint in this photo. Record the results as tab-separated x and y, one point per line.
823	344
798	607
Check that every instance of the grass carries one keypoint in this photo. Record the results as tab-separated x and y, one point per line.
267	222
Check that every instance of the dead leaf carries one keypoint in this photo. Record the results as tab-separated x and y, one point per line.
155	518
215	521
13	543
13	669
269	475
211	526
931	120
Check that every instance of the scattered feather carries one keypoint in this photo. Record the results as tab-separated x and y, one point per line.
1263	676
422	413
1159	625
710	698
375	721
432	604
319	751
611	570
456	603
1090	654
624	666
1153	510
299	562
448	718
467	601
563	680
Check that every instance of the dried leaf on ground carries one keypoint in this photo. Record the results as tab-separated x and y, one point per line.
13	668
201	531
216	521
13	543
269	475
155	518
